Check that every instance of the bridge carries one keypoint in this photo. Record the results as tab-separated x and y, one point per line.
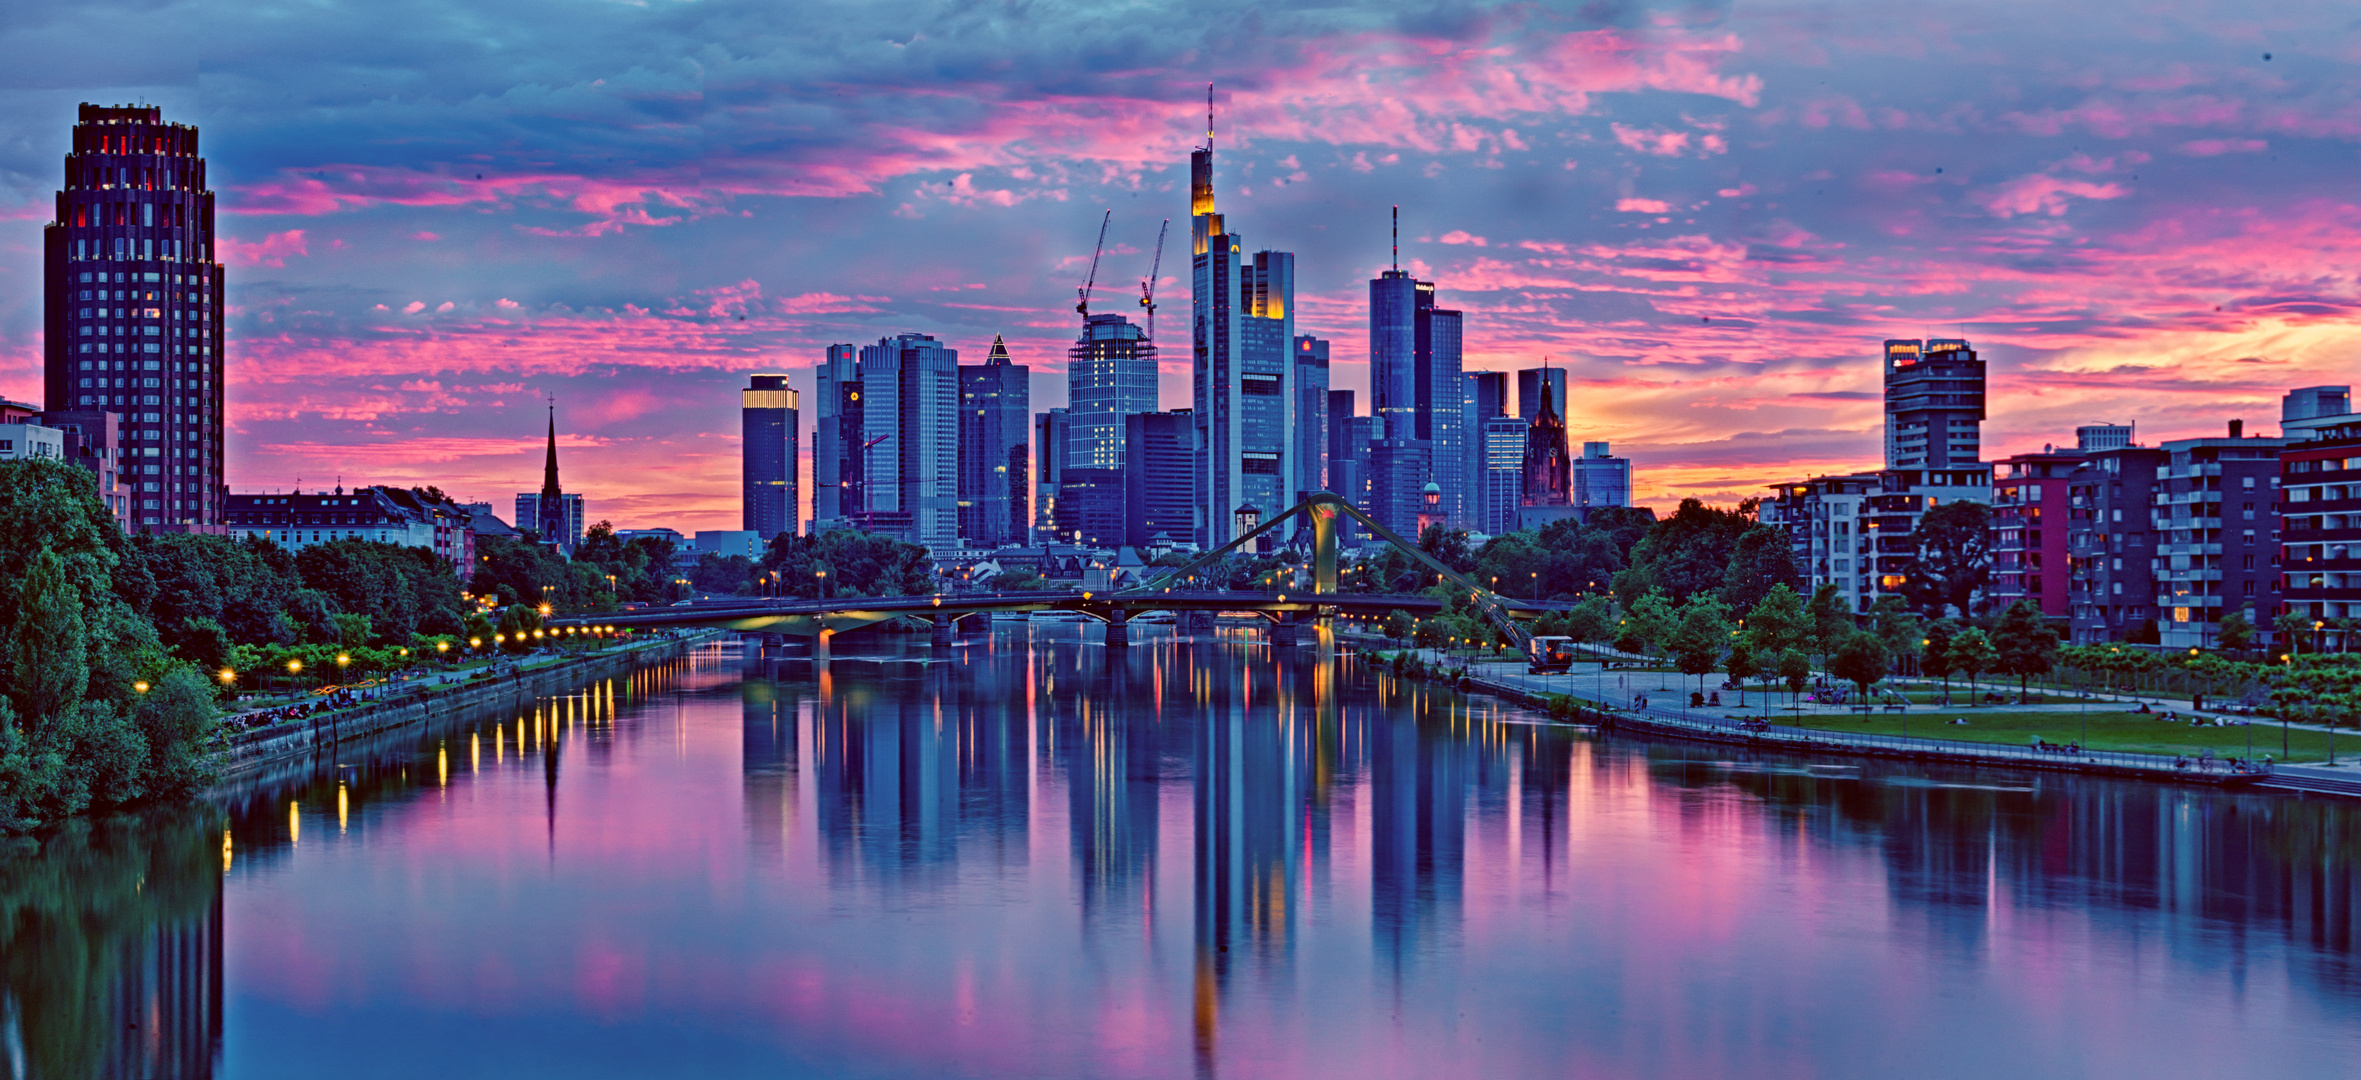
822	619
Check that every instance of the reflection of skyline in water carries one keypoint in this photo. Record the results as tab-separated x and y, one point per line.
977	864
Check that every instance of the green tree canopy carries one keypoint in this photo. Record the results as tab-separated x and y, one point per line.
1686	553
1762	559
1860	659
1953	558
2023	643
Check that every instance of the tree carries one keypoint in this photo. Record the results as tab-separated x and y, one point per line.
1861	660
1952	560
2023	643
1697	640
1777	623
1686	553
1512	565
2235	632
1934	657
2294	629
855	564
1763	558
1449	547
1827	619
1647	624
1740	663
1398	624
1896	628
1971	654
1796	669
1591	620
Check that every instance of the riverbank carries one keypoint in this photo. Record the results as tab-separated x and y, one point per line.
1587	700
295	746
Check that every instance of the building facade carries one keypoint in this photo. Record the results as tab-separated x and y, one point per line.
385	515
1485	400
909	451
1533	384
836	438
995	473
94	440
2216	515
2111	545
1503	473
133	318
1548	470
769	421
1858	531
2306	412
1349	436
1599	478
2032	530
1311	415
1243	329
1049	457
1157	478
2320	493
1110	374
1417	390
1934	404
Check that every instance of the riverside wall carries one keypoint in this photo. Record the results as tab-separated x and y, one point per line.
298	747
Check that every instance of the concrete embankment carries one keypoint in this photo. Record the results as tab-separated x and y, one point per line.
297	747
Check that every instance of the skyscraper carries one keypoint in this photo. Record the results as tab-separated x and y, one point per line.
1156	477
551	513
995	486
1934	404
1502	472
1486	400
768	422
909	453
836	439
1311	416
1110	374
1049	450
133	316
1600	478
1348	459
1419	396
1243	327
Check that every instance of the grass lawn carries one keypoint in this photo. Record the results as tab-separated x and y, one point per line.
2109	730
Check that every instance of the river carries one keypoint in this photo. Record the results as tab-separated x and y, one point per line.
1037	857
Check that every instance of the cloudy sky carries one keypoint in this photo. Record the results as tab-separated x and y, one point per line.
440	214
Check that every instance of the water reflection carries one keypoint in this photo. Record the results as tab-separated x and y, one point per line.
1038	857
110	949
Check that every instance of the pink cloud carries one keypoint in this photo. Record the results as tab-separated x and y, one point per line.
272	250
1642	206
2041	193
2217	147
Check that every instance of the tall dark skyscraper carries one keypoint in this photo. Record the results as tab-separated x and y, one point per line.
1530	382
995	485
836	439
1156	477
1110	374
768	420
1419	397
1311	416
1934	404
1243	329
133	310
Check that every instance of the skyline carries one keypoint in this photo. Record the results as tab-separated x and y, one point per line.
1704	216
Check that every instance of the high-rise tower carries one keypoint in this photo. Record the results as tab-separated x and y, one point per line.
133	309
1934	404
768	422
1110	374
1419	397
995	477
1243	329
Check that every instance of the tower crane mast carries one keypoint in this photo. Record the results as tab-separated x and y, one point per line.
1082	302
1148	287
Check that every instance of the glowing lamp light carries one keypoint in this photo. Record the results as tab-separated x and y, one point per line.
294	666
228	676
475	643
343	659
442	646
141	686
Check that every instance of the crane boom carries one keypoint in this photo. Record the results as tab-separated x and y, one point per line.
1148	287
1082	305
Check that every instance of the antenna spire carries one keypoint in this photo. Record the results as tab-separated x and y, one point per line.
1209	115
1397	236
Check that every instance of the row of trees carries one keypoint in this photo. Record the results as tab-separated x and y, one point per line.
97	711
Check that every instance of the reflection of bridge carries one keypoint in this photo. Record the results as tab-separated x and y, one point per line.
1286	611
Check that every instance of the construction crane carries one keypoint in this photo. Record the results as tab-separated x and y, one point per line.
1082	305
1148	287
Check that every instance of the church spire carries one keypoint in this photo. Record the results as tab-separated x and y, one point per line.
549	488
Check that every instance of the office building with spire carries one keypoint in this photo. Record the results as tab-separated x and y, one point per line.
133	320
1419	396
552	514
1242	374
769	421
995	475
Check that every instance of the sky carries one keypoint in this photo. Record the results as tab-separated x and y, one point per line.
439	216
